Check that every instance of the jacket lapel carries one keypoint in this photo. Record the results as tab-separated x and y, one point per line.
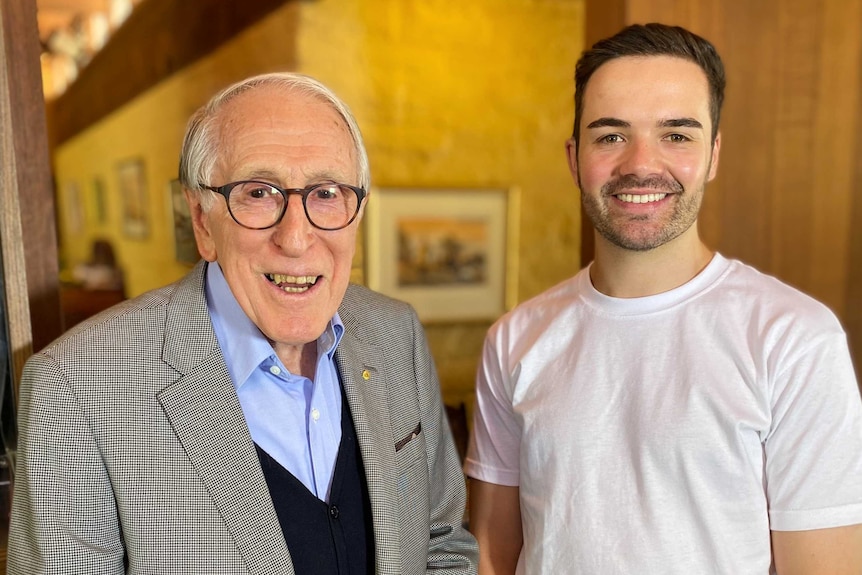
207	418
365	388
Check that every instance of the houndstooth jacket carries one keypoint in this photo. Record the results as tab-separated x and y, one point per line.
134	456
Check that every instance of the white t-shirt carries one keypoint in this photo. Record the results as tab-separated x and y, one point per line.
668	434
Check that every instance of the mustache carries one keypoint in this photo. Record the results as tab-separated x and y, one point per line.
630	181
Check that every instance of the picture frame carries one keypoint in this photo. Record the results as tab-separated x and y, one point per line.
132	184
451	253
100	209
75	214
185	246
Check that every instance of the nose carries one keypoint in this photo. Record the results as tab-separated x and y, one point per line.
294	232
641	158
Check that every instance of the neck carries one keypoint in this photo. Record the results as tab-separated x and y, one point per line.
298	359
618	272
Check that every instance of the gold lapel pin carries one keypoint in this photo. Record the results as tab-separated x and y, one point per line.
366	375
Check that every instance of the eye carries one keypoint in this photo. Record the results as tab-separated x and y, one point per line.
678	138
253	191
610	139
258	192
327	192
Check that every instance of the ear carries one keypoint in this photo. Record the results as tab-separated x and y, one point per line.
713	164
201	226
572	157
361	213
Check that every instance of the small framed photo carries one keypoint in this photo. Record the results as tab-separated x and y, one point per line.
451	253
185	247
132	180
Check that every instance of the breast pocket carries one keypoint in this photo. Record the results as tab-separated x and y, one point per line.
413	491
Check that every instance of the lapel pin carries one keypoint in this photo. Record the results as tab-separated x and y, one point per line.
366	375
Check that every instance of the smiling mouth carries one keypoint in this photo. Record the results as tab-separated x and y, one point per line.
640	198
293	284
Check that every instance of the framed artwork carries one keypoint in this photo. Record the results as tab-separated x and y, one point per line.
185	247
451	253
100	208
131	177
75	221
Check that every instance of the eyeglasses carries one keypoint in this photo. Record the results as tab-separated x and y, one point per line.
258	205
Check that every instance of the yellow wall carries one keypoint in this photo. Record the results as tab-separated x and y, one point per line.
460	94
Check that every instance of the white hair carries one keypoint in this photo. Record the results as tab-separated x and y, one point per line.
199	152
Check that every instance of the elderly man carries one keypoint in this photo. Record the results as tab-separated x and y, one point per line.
260	415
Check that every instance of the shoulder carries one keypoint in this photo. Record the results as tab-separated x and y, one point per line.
136	322
371	314
772	303
538	313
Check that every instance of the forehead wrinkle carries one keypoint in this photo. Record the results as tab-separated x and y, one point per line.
282	178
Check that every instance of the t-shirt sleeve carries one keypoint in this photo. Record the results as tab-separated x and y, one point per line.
814	447
494	452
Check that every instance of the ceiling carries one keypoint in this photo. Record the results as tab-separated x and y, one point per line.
71	32
55	15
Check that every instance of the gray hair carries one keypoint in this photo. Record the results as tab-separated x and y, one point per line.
199	152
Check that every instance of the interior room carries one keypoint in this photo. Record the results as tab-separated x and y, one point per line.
465	108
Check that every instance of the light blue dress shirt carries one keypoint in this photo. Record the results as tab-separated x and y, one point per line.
295	420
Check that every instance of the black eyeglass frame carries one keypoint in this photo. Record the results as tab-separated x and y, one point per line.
226	189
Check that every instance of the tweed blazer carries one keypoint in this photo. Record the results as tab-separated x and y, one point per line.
134	455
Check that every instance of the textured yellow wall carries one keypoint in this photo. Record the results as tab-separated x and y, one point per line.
448	94
464	94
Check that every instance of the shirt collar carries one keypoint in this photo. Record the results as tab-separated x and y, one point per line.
243	345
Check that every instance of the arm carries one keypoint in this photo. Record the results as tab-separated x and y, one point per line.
835	551
814	457
64	518
495	520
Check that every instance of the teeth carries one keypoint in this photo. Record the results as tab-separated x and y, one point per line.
640	198
294	284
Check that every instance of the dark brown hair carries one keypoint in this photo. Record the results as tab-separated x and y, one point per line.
653	40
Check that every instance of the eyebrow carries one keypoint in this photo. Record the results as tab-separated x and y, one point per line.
681	123
608	123
672	123
270	175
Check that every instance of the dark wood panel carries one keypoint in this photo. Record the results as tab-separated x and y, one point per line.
158	39
853	310
795	102
28	264
28	195
832	156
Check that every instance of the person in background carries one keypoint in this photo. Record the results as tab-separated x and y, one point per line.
667	410
260	415
101	272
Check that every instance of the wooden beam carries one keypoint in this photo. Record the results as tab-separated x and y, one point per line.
30	266
158	39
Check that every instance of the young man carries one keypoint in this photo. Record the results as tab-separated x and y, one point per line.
260	415
667	410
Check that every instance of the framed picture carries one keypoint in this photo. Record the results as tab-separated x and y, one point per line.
451	253
185	247
99	201
131	177
74	208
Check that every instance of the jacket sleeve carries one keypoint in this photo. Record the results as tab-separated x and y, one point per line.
64	518
451	549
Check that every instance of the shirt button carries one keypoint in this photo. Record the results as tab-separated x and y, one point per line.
275	370
333	512
315	414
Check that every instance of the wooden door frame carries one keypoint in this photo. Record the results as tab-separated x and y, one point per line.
29	261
